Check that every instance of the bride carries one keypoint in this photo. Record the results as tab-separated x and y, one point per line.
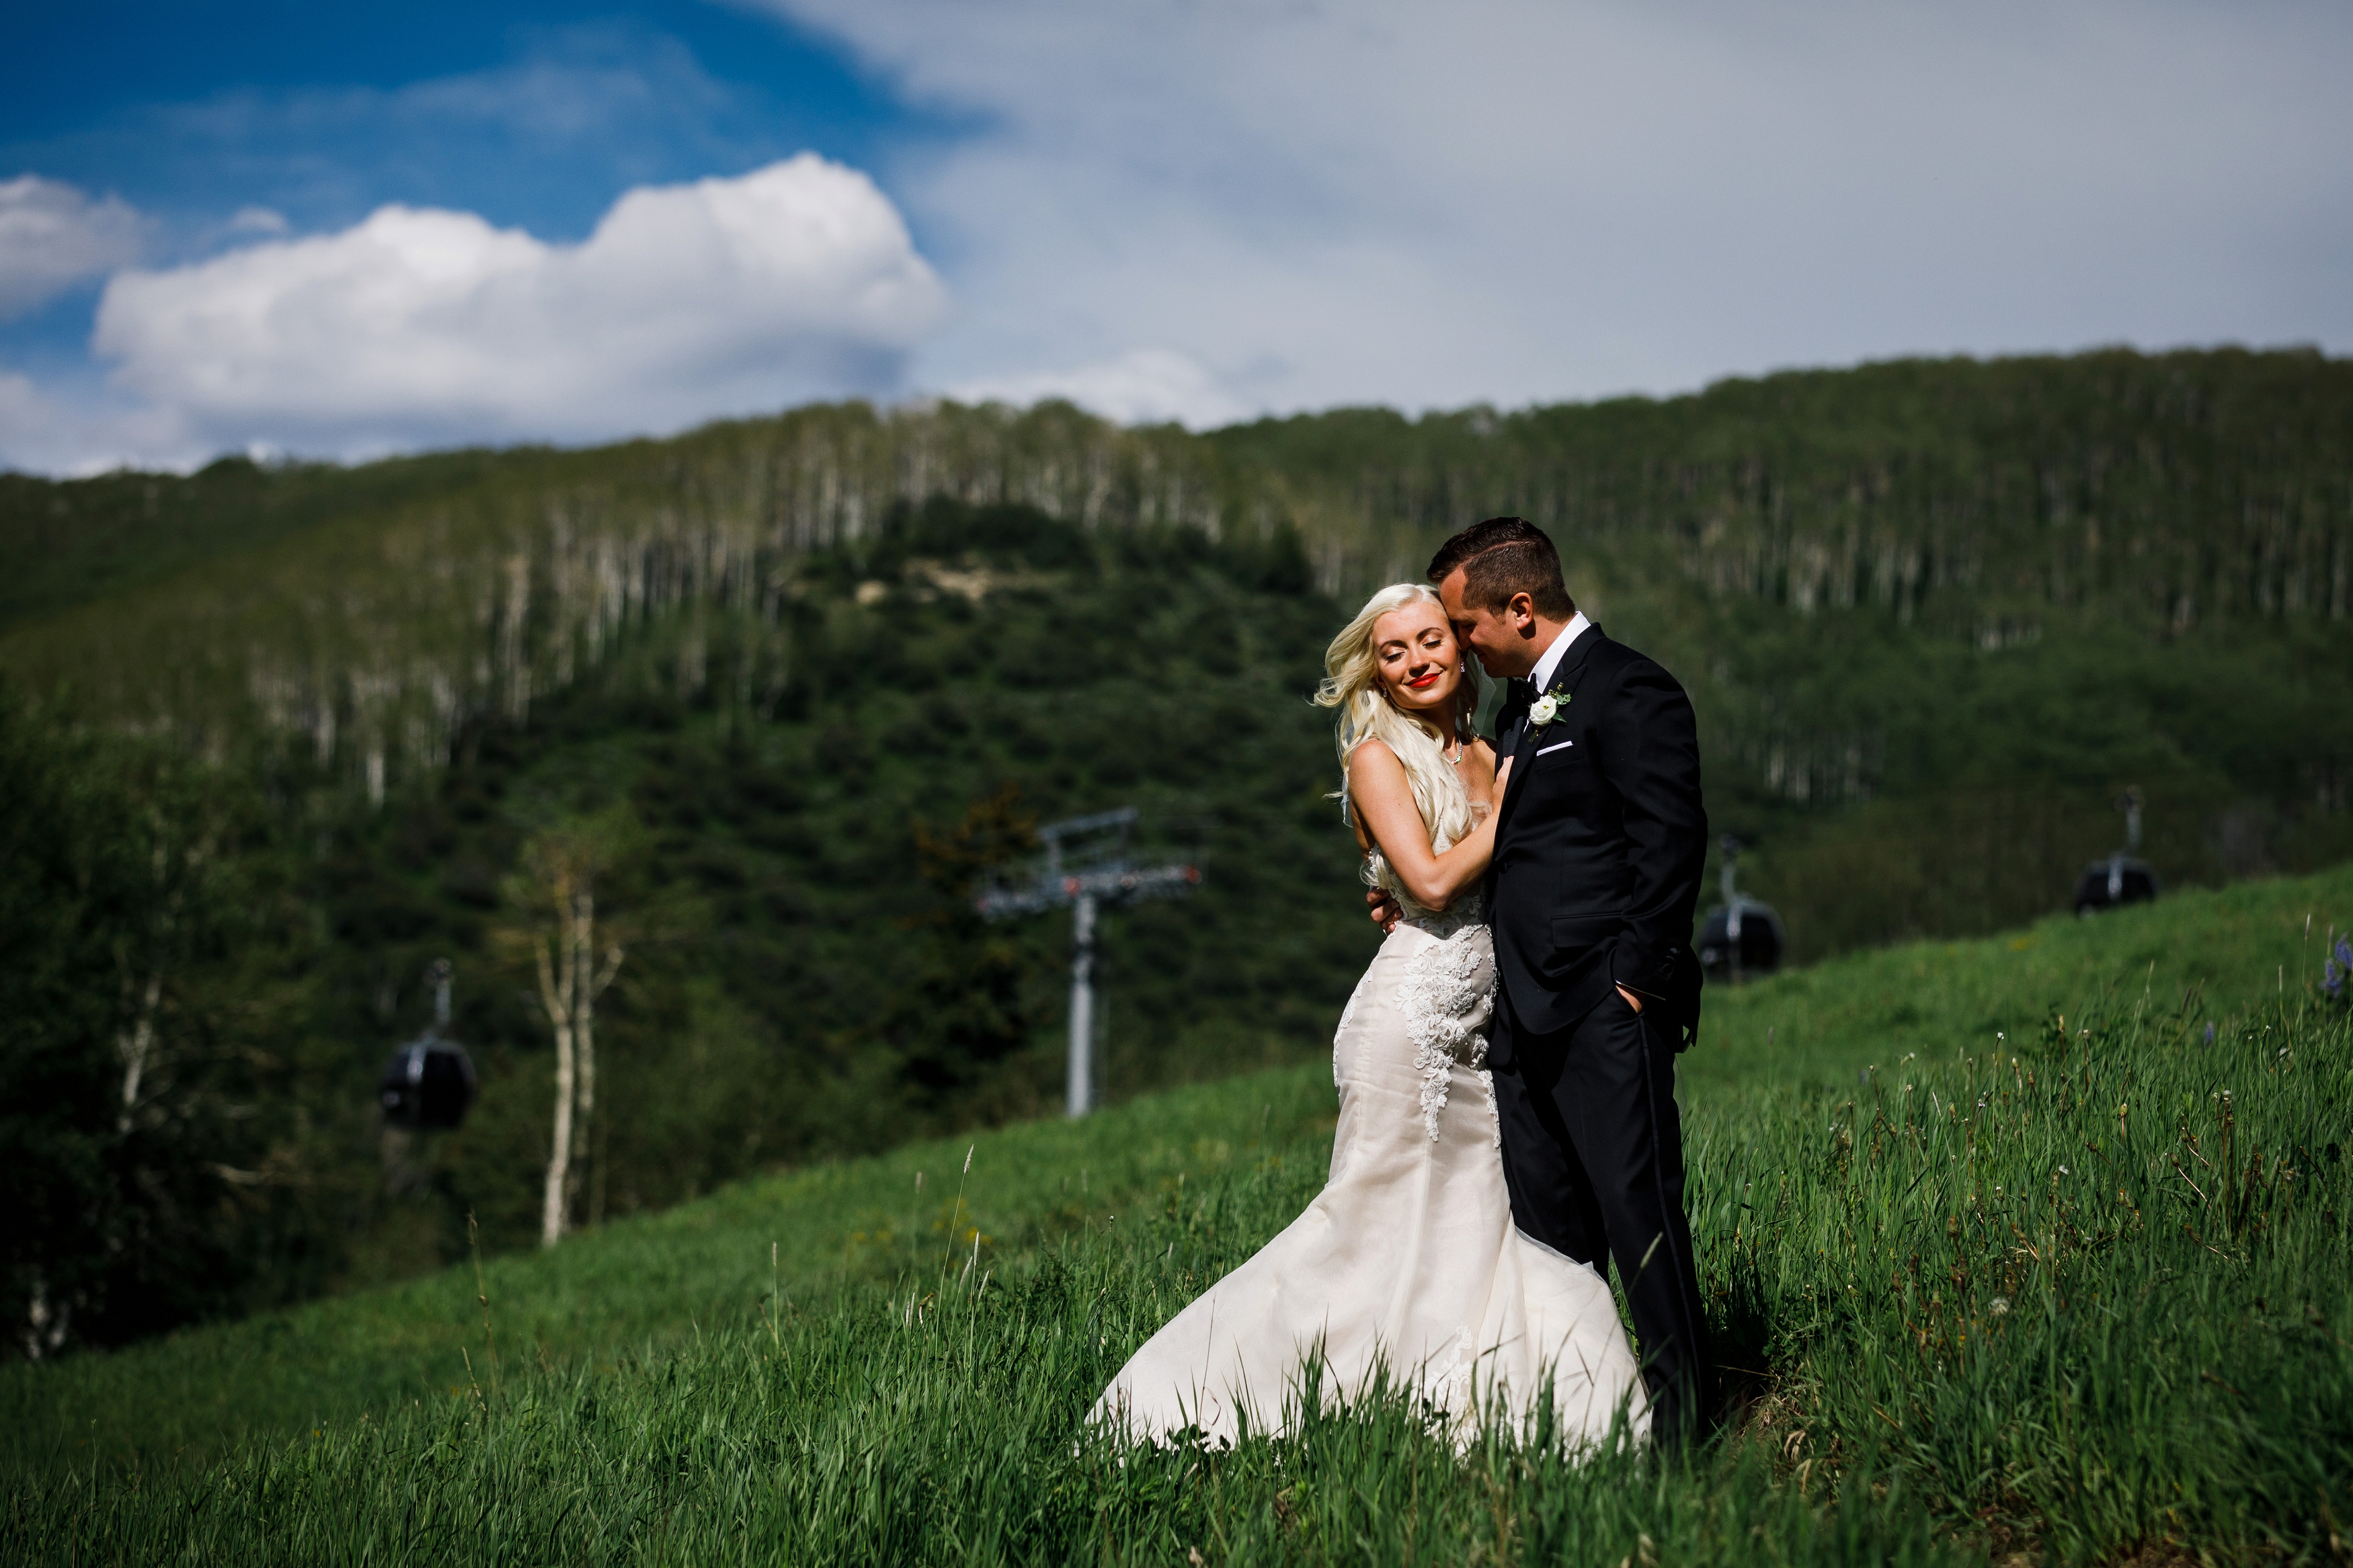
1407	1258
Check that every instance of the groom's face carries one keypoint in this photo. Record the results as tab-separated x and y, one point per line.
1503	636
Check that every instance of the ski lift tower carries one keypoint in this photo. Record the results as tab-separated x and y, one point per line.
1087	868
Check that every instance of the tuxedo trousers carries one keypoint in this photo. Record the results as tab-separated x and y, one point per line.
1593	1157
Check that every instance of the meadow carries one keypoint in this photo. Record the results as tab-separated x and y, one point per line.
2029	1248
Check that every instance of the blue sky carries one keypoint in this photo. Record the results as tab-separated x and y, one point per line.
324	112
342	232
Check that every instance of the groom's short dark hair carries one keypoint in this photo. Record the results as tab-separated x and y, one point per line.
1501	557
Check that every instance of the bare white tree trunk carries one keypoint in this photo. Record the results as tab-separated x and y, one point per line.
555	991
584	1023
570	981
133	1046
136	1045
46	1327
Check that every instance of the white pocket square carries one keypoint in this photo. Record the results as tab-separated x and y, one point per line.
1556	746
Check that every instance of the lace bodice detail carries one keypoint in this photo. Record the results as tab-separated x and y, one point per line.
1469	908
1447	993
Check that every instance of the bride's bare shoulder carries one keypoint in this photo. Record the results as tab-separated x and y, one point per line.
1375	752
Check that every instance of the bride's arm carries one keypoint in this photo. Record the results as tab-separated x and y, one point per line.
1383	797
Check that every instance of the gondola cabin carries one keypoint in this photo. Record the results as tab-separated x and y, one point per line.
2123	877
1742	937
428	1085
2120	880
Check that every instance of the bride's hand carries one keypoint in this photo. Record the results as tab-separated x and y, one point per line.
1503	780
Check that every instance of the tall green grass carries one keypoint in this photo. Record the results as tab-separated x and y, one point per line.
638	1288
2083	1292
2210	951
2090	1295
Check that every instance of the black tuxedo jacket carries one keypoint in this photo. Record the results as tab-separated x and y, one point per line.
1598	853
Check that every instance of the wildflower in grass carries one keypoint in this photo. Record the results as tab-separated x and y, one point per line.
2001	1306
2336	971
2209	1034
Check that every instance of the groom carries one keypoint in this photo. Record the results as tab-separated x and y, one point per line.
1590	894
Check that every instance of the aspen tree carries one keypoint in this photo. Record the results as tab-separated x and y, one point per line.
574	961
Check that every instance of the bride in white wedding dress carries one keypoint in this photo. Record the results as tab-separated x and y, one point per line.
1407	1259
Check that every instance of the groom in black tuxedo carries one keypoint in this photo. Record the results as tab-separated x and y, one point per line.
1590	895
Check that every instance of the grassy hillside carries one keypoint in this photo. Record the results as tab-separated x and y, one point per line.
760	1380
2197	954
643	1286
808	679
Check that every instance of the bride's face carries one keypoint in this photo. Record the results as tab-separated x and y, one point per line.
1420	662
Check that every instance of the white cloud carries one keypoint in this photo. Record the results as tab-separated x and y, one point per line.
1147	386
419	325
53	236
1202	209
65	430
24	421
1521	199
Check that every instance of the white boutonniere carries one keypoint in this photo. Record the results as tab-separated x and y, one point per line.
1545	709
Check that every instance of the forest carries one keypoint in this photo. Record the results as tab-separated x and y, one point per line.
789	689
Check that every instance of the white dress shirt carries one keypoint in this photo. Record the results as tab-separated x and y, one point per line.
1541	676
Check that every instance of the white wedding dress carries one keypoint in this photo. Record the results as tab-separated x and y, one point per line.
1408	1257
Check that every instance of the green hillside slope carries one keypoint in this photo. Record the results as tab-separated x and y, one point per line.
1967	601
2200	954
73	542
638	1287
278	739
791	883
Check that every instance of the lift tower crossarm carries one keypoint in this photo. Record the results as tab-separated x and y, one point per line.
1117	884
1105	880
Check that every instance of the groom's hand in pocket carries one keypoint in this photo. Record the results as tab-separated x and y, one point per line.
1384	907
1631	1000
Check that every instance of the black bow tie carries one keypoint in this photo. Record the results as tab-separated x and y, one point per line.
1518	697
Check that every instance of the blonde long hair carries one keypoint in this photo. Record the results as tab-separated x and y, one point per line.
1352	684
